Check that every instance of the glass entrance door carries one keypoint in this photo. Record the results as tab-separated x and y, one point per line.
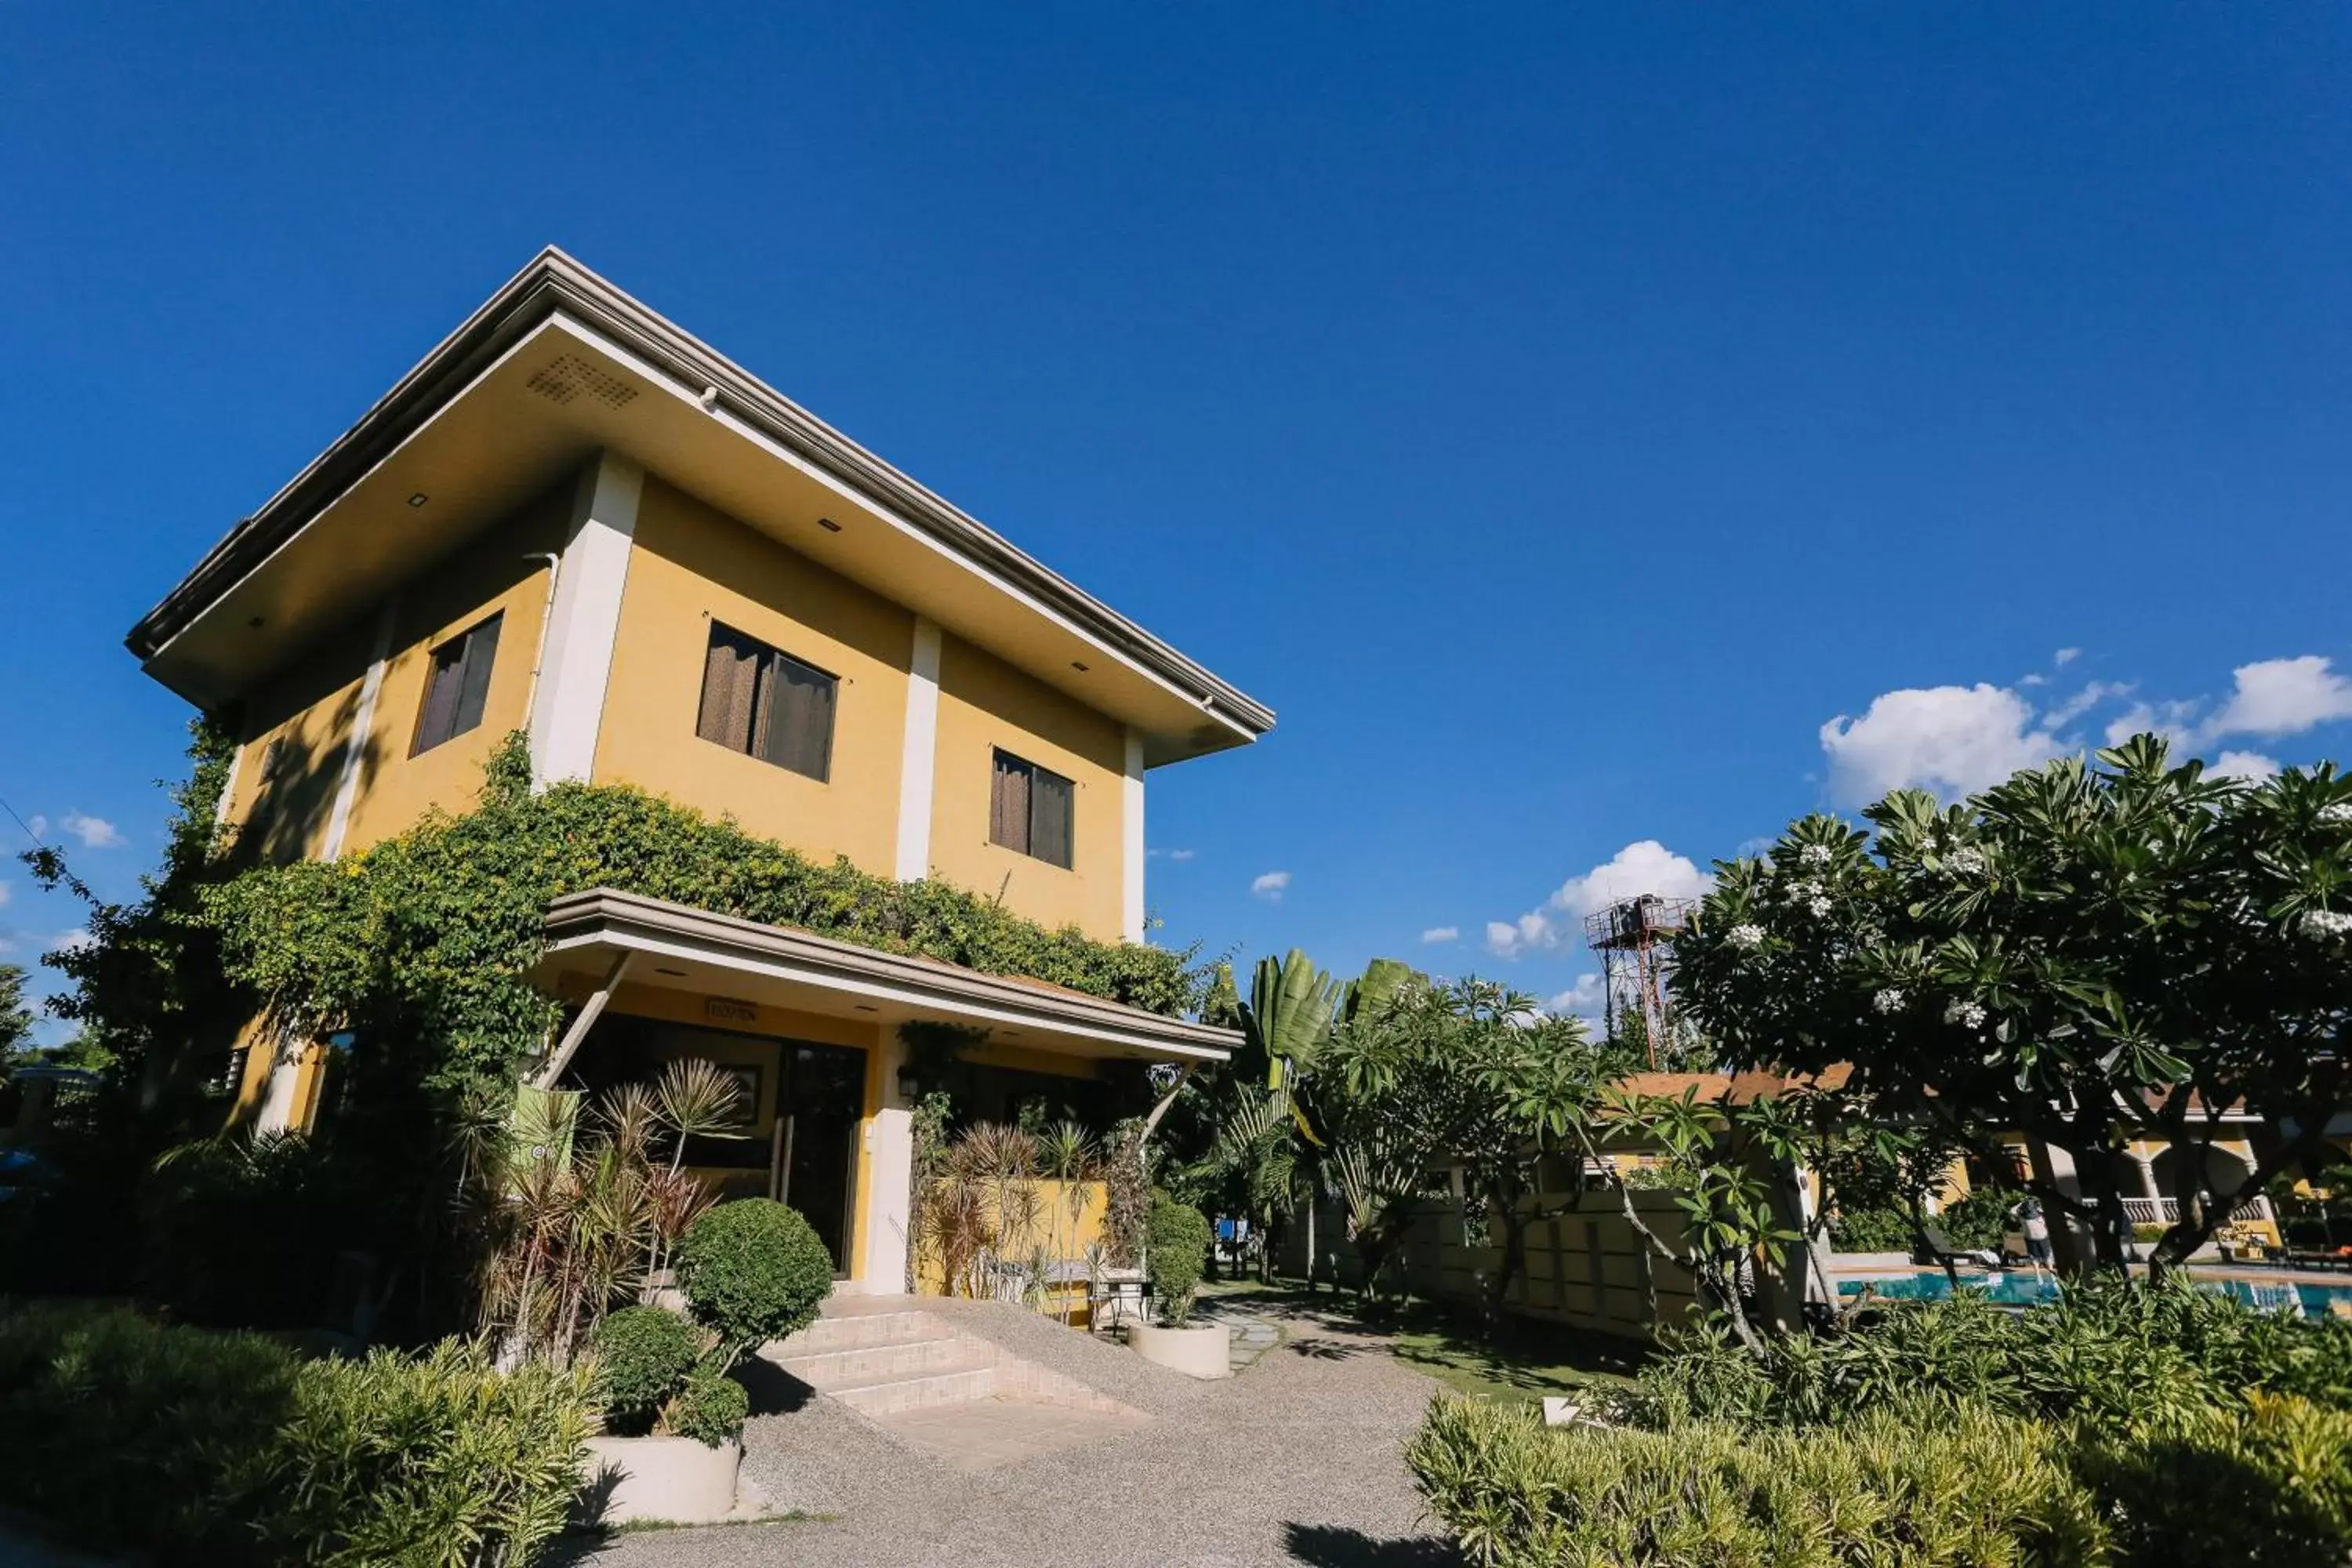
815	1163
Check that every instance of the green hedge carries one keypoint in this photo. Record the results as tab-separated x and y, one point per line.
204	1447
1895	1489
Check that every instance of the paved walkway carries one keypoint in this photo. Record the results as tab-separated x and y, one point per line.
1295	1460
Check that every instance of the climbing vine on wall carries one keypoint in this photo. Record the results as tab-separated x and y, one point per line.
421	945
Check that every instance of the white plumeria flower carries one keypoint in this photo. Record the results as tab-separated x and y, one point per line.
1818	906
2326	922
1966	862
1888	999
2340	812
1746	934
1814	855
1967	1015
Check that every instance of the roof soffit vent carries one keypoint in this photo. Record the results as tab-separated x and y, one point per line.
568	376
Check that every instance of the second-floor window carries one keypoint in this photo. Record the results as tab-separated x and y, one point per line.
765	702
1030	809
458	685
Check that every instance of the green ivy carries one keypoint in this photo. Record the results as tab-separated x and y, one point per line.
421	944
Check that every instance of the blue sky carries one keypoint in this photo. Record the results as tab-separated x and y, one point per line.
1559	413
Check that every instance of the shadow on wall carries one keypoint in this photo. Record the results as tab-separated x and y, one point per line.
296	791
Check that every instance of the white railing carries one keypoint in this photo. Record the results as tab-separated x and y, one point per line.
2166	1211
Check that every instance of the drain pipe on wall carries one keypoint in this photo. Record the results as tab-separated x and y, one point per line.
546	620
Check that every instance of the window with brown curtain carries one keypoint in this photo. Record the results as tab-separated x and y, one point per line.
1030	809
765	703
458	685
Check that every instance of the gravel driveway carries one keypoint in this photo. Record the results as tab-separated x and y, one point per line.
1295	1461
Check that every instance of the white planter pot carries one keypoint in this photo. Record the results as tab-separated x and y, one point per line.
1195	1352
677	1479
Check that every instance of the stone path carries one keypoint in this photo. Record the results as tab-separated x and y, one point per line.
1254	1332
1295	1460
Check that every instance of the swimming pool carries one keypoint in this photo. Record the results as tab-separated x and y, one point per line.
2025	1289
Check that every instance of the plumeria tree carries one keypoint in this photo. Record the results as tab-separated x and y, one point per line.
2087	954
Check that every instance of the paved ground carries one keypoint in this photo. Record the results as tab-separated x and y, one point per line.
1294	1461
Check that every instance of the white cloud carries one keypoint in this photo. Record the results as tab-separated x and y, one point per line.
2033	680
2244	766
1644	865
71	941
1442	933
1169	854
1270	885
95	832
39	827
2061	714
6	893
1583	998
1951	739
2065	655
2282	697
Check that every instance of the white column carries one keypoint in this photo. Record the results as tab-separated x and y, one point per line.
347	788
881	1265
1131	806
918	758
228	787
277	1113
569	705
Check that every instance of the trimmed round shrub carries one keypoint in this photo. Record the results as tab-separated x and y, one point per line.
1179	1251
643	1357
753	1271
710	1409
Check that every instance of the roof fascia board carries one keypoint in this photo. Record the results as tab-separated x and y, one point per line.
553	283
609	920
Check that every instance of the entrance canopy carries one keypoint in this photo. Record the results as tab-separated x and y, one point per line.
600	936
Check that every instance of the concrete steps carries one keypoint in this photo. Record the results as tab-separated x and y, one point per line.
884	1358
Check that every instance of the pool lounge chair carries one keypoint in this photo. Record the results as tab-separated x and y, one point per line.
1941	1251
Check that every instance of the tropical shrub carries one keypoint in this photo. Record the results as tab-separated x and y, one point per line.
753	1271
643	1356
206	1447
437	1459
1898	1488
1979	1221
133	1436
243	1232
2268	1481
2114	1354
710	1409
1179	1252
1872	1230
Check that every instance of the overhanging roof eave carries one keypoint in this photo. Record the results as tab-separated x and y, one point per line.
554	283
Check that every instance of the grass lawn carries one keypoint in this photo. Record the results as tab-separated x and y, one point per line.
1525	1360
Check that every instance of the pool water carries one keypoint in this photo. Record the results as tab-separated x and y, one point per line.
2025	1289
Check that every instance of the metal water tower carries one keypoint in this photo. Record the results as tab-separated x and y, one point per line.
1634	938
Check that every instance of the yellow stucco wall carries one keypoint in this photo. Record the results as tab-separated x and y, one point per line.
690	565
494	575
984	704
308	708
313	704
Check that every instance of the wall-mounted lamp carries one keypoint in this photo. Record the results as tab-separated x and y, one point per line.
419	499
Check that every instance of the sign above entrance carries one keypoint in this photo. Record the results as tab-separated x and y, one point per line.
727	1010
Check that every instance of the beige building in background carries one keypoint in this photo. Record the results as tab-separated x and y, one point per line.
574	520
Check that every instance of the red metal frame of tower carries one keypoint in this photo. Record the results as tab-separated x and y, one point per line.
1634	938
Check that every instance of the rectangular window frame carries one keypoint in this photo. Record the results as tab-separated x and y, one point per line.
464	677
1032	809
744	722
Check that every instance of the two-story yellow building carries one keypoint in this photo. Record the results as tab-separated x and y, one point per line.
576	519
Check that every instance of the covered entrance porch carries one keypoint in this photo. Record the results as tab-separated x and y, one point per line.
809	1027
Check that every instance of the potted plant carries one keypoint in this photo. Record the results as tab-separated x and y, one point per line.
1177	1251
751	1271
